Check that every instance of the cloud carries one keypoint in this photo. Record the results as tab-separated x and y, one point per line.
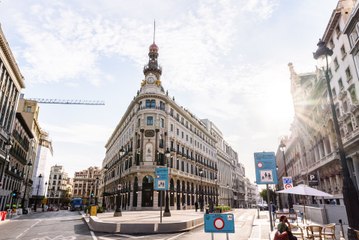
87	134
62	43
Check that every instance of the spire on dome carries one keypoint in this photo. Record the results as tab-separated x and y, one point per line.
152	65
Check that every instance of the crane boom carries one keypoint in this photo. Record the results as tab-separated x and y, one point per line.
63	101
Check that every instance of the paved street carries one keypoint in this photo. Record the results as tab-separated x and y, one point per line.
61	225
66	225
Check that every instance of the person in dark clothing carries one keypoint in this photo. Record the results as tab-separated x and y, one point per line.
284	226
196	206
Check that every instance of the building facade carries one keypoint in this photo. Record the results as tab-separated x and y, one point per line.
311	150
86	185
156	131
11	83
57	187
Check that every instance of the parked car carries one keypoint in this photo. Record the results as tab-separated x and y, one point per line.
262	206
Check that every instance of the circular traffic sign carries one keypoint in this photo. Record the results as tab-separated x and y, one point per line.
218	223
260	164
287	186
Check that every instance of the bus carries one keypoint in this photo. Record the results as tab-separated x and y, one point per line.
76	204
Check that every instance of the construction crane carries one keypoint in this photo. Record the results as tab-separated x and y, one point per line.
62	101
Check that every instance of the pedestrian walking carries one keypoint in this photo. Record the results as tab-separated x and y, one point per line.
196	206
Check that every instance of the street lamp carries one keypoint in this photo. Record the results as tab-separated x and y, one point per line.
201	200
118	212
29	164
350	195
104	189
167	212
96	200
37	193
282	148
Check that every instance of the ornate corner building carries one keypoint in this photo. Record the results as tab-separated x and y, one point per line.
156	131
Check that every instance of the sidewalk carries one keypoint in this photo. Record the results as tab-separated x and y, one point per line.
145	222
338	231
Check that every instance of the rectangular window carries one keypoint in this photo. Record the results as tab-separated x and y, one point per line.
162	123
337	31
343	51
162	105
348	74
340	83
148	103
138	122
331	44
171	127
153	103
149	121
177	132
336	64
28	108
182	135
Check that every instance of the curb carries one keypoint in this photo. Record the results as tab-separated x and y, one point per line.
97	225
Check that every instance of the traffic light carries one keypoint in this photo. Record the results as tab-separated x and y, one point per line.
91	194
14	194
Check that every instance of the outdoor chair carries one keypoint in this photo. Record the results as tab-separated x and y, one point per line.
328	231
297	231
314	232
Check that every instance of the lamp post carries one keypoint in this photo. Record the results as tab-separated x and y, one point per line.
118	212
104	188
37	192
29	164
282	147
167	212
350	195
96	200
201	202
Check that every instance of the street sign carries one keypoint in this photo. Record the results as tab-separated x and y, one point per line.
161	180
287	182
266	168
313	180
219	223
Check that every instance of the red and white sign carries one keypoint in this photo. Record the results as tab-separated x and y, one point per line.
218	223
259	164
288	186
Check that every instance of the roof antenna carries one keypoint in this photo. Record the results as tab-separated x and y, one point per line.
154	30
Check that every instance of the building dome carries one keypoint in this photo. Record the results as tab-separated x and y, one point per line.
153	47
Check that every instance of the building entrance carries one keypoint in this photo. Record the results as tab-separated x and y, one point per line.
147	191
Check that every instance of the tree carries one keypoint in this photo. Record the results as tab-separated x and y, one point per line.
273	195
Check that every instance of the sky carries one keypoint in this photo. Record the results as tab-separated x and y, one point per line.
224	60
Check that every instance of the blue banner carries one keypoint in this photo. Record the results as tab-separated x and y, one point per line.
266	168
161	180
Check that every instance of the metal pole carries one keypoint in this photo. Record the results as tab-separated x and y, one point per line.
26	182
269	210
290	201
202	200
161	206
350	194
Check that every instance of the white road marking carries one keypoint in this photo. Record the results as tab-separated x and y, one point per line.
93	235
28	229
174	237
